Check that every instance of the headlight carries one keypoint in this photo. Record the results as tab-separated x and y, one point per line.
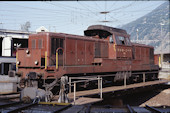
36	62
18	62
27	51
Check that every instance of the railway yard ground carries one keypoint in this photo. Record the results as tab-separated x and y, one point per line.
151	98
146	99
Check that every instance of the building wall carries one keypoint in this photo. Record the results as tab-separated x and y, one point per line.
6	46
7	60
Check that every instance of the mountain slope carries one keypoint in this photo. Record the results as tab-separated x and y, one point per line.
149	28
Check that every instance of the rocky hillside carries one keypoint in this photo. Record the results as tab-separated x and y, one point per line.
149	28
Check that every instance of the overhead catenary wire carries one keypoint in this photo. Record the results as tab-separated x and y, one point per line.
76	15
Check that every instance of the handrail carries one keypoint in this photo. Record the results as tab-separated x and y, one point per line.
57	57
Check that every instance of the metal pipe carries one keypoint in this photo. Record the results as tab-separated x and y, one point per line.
101	88
74	92
56	60
161	45
45	59
69	84
98	82
124	73
16	61
84	78
143	77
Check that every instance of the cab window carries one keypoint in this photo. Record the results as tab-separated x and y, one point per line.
128	41
120	40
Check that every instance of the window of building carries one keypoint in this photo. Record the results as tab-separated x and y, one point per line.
5	67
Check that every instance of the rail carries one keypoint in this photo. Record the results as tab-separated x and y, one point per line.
22	107
130	109
62	108
17	107
9	104
153	109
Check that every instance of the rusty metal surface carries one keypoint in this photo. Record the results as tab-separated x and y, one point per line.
156	59
28	60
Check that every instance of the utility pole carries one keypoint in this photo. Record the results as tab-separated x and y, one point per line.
161	45
137	34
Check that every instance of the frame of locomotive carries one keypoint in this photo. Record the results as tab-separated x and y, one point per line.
102	51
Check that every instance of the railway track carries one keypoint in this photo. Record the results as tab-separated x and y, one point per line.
13	107
16	107
9	96
8	106
19	107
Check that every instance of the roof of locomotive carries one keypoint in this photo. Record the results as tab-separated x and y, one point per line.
106	29
65	35
88	34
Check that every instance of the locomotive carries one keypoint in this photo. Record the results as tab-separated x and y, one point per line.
103	51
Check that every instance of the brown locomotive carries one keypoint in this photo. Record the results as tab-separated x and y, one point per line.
103	50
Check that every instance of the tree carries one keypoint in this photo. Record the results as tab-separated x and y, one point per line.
26	26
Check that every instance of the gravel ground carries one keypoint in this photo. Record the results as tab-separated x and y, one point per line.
162	99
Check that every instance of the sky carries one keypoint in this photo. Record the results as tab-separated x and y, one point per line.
72	17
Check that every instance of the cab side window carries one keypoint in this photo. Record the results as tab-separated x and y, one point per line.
128	42
120	40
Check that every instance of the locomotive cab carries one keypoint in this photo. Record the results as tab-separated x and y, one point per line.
119	45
